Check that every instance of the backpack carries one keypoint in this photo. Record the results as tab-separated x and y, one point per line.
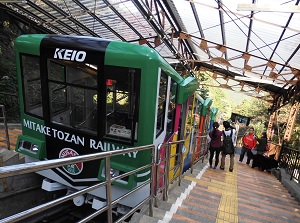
227	143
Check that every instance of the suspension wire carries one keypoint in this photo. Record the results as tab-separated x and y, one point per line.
71	15
95	4
253	42
258	48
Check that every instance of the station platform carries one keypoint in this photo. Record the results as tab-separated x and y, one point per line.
245	195
13	136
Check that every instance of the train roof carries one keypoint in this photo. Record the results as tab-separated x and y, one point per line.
31	44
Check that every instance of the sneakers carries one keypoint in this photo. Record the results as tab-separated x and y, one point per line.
230	169
222	168
210	166
215	167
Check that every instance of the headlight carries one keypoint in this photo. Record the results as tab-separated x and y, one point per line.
114	172
34	148
25	145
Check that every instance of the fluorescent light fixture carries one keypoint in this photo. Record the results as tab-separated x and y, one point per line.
268	8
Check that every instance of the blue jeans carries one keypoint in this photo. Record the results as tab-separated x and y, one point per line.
249	155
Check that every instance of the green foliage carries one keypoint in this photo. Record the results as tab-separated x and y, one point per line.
257	110
8	78
221	100
227	102
202	77
295	138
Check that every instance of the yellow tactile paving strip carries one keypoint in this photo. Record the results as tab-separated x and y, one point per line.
228	206
245	195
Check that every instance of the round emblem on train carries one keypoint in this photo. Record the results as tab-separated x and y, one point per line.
74	168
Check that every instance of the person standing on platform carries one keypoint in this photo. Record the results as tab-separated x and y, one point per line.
249	143
214	138
229	143
261	147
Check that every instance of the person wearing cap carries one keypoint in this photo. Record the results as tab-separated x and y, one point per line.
214	138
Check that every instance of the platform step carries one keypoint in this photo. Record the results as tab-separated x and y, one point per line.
8	157
143	218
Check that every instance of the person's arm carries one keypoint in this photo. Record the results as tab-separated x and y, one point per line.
233	137
208	138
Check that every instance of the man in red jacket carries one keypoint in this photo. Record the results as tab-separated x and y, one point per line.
249	143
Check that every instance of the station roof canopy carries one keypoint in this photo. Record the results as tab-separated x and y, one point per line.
245	47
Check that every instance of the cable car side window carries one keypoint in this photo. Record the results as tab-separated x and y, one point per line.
171	110
161	109
73	94
122	99
32	85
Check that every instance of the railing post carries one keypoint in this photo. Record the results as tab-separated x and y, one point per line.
193	154
181	163
157	162
289	161
108	190
167	172
152	182
3	117
295	163
204	148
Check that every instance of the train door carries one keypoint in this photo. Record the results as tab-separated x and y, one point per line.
163	97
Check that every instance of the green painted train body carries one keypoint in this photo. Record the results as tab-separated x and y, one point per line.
83	95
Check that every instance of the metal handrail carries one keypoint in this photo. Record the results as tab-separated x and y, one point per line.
14	170
165	187
194	153
290	161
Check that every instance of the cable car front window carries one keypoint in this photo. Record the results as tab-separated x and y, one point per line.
32	85
122	85
72	93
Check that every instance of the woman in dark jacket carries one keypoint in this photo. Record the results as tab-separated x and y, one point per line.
261	147
214	138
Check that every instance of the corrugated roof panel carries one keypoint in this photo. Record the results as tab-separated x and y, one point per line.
215	53
237	28
263	39
294	23
211	3
288	45
231	6
210	23
294	62
280	19
214	35
237	63
136	19
187	16
74	17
